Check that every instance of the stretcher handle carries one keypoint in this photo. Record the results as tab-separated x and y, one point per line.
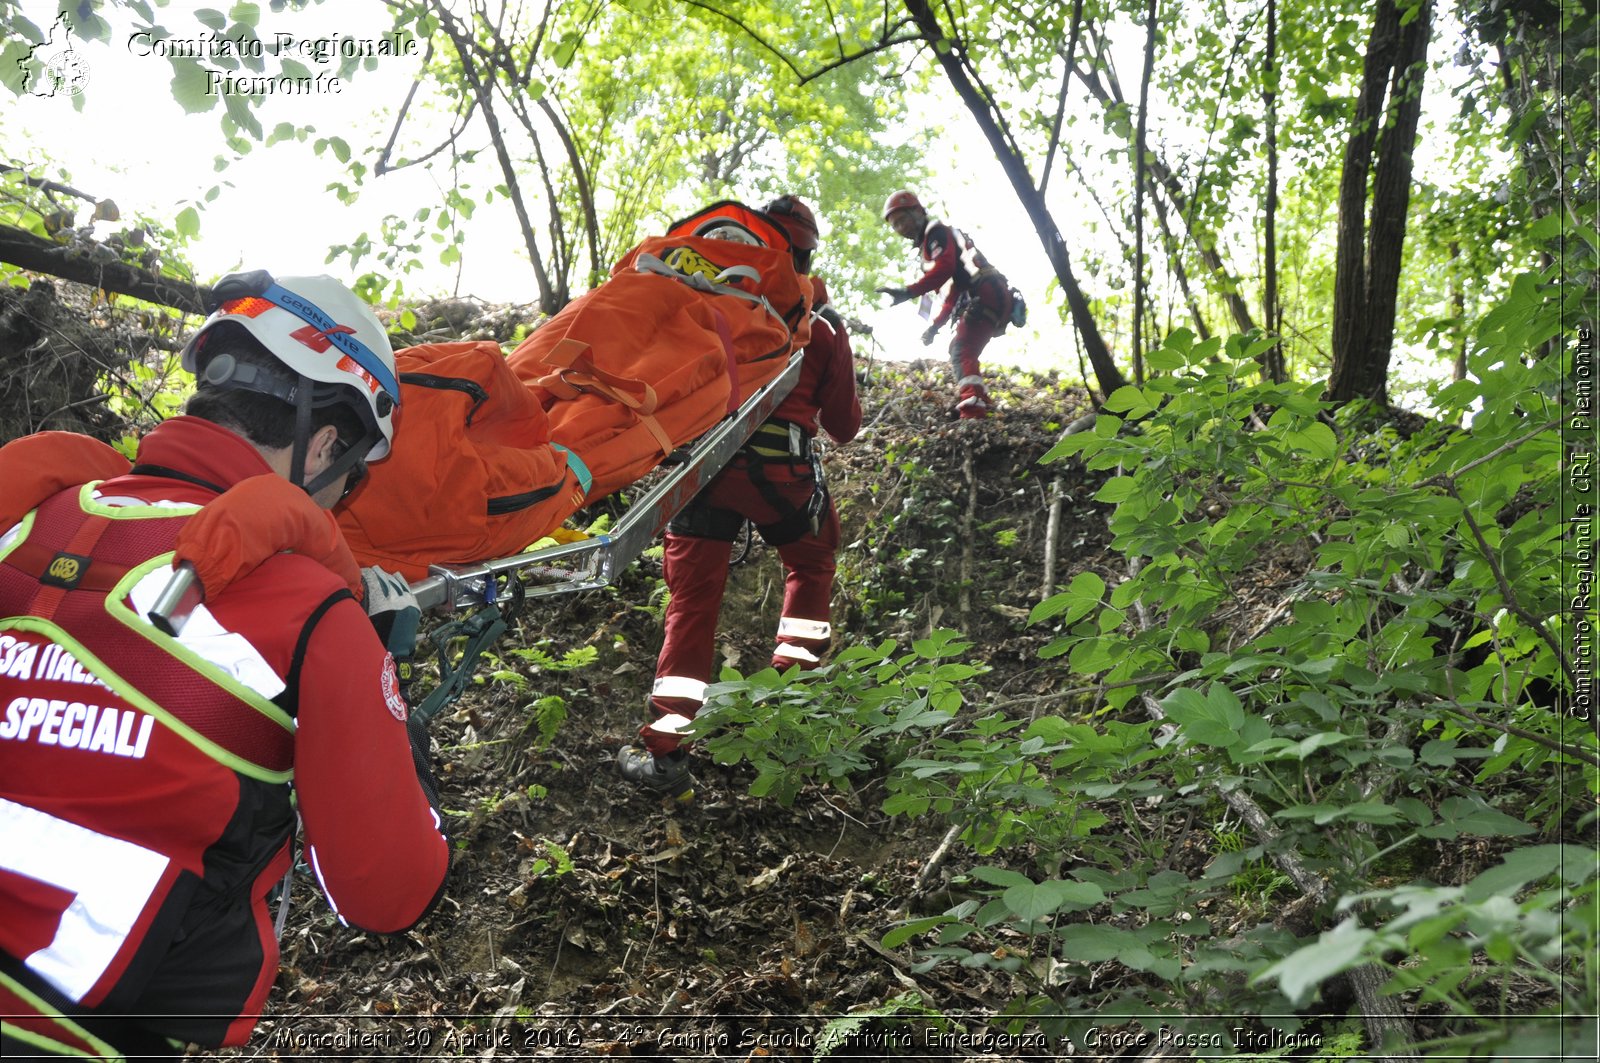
177	600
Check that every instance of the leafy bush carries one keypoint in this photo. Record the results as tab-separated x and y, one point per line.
1349	624
867	705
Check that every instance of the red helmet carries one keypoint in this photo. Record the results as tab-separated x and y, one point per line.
900	201
795	218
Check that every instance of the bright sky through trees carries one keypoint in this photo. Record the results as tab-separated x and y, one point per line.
131	141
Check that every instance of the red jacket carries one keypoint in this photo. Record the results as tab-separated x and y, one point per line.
148	791
948	254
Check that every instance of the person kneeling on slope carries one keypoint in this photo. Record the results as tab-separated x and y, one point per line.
151	781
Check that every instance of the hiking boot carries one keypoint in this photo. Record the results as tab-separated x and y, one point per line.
971	408
667	776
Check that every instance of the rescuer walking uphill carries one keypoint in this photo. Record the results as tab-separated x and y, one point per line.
979	298
776	483
150	782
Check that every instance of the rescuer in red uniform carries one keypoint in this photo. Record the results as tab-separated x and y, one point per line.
776	483
150	782
979	297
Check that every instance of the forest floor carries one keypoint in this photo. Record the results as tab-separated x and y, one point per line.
584	918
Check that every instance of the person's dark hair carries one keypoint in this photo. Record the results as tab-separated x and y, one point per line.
262	419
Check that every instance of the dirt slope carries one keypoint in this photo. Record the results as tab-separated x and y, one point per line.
584	919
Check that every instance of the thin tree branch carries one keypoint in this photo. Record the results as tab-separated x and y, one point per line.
1061	97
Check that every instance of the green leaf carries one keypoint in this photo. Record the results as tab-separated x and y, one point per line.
1000	876
1032	901
1130	400
189	84
1519	868
1214	719
1317	741
1461	815
1116	489
1316	439
565	49
187	223
1438	753
906	931
1090	943
1082	594
1165	361
14	63
1334	952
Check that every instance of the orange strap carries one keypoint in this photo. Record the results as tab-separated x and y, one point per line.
576	373
254	519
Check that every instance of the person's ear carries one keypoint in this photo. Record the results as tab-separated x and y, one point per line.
323	448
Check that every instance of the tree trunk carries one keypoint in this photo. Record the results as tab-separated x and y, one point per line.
23	249
1272	361
484	94
1367	264
1458	302
948	54
1169	243
1138	190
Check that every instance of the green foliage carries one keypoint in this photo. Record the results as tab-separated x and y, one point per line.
598	156
907	540
555	863
825	726
1402	692
896	1013
1395	696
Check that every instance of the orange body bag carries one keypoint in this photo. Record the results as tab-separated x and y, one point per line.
472	474
686	328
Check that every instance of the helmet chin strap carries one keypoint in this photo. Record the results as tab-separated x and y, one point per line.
302	447
342	465
302	438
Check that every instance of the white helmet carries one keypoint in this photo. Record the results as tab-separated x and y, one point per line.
721	228
317	328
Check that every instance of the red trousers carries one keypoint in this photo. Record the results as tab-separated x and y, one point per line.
698	546
979	322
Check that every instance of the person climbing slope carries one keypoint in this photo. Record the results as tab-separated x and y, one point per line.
775	482
979	298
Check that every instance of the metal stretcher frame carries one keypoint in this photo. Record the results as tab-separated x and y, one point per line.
594	563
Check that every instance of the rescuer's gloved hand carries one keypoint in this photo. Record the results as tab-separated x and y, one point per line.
899	295
929	334
392	608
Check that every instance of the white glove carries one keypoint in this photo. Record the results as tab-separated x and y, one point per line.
392	607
